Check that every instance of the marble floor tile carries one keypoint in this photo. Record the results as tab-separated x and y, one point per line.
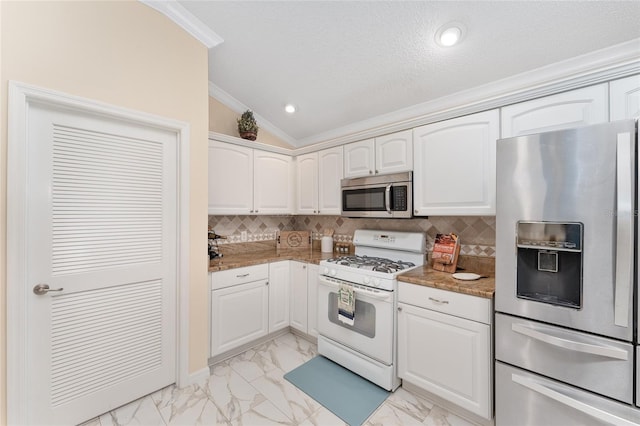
294	403
441	417
323	417
284	356
230	392
140	412
390	415
187	406
251	365
250	390
411	404
263	414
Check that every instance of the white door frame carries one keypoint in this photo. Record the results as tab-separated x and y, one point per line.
20	96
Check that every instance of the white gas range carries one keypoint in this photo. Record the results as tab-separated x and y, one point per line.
368	347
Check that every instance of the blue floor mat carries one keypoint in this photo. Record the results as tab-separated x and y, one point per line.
341	391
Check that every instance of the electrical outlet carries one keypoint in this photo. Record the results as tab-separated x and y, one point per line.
243	236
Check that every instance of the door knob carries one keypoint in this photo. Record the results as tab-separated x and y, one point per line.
41	289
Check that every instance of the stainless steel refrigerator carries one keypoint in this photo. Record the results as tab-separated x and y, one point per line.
566	289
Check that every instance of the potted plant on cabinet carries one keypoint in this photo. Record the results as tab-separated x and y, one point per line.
247	126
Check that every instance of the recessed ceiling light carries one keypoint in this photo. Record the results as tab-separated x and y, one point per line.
449	34
290	108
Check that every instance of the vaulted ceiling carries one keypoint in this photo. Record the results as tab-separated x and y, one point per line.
345	62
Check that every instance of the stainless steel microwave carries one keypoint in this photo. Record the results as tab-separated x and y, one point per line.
381	196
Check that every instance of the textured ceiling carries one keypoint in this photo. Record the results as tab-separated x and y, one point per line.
342	62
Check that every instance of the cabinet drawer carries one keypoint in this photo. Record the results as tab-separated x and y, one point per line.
461	305
591	362
237	276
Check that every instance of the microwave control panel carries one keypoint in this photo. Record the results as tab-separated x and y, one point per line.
399	198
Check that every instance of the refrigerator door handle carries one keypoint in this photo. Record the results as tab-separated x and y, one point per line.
606	351
624	229
569	401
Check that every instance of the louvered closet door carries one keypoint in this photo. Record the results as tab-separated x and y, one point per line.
102	227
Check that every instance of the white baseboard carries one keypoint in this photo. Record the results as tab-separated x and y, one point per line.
198	377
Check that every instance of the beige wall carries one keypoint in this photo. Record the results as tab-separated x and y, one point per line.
222	119
126	54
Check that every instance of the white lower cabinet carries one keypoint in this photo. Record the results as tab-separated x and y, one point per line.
239	314
298	314
279	295
443	352
312	300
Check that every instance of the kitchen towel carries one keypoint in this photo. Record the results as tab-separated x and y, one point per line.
346	304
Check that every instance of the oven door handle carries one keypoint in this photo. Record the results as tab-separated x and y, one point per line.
569	401
383	295
387	198
606	351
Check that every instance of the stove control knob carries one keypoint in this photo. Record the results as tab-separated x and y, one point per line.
366	280
325	271
333	272
376	282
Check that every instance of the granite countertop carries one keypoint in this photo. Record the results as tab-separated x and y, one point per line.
483	287
426	276
238	260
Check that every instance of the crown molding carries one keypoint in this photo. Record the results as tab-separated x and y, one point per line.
237	106
185	19
603	65
221	137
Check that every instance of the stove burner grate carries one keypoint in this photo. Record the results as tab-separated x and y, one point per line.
378	264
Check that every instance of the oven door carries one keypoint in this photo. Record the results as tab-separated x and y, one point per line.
374	323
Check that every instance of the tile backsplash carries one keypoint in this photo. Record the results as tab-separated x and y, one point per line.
477	233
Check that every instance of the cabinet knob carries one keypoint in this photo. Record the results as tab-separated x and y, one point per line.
370	172
376	172
256	211
314	211
304	266
399	308
416	211
266	283
250	211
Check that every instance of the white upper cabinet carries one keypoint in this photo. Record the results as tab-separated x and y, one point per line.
394	153
624	98
576	108
307	189
319	175
359	158
454	171
385	154
272	183
230	179
249	181
329	175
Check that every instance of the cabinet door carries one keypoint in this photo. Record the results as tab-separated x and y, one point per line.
394	153
312	300
330	169
239	314
278	295
307	188
359	158
230	179
455	166
298	314
562	111
272	183
447	356
624	98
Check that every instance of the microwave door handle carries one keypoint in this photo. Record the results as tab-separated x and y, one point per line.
624	230
387	198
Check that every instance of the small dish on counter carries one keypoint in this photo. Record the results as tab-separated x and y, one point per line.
466	276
